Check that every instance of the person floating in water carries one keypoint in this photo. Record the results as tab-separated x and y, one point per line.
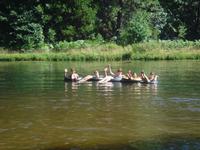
118	74
113	76
132	76
73	75
109	75
88	77
129	75
148	79
153	76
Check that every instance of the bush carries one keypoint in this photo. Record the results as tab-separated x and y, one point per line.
65	45
51	36
182	30
137	30
166	45
25	32
33	37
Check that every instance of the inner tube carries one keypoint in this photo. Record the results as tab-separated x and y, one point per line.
116	79
95	79
150	82
67	79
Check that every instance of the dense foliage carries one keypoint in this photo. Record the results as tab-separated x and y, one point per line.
44	24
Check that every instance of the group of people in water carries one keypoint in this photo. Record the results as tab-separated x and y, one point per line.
109	75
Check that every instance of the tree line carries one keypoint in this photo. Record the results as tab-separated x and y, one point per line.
32	23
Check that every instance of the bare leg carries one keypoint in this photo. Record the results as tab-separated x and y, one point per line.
85	79
106	79
146	78
97	74
110	70
105	71
136	79
155	78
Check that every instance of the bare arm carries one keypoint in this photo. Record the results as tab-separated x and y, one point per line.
145	76
66	72
105	72
110	70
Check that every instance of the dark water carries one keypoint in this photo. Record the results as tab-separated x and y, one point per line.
39	111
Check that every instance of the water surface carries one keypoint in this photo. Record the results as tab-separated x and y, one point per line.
39	111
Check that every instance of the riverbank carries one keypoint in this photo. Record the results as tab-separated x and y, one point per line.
153	50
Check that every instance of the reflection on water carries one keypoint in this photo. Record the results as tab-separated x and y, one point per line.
39	111
110	86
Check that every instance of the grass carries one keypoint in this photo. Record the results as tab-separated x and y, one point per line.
152	50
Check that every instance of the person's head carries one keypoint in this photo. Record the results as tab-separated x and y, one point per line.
73	70
151	73
129	71
119	70
142	72
95	71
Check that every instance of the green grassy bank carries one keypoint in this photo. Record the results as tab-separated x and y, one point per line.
153	50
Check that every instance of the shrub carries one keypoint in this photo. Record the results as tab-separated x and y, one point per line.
65	45
137	30
182	30
25	33
51	35
33	38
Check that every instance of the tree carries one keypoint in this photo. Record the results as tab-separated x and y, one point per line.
31	23
137	30
114	15
69	20
182	12
20	27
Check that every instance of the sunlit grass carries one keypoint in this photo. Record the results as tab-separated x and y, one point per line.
153	50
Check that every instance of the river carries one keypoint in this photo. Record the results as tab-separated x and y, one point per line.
39	111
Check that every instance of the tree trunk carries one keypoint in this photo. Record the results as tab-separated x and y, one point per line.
119	17
197	21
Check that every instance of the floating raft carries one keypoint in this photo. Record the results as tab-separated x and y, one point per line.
67	79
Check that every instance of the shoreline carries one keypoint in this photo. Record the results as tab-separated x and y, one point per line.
152	50
103	56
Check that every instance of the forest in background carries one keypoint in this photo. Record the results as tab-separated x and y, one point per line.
47	24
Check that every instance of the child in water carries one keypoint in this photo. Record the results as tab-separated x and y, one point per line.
74	75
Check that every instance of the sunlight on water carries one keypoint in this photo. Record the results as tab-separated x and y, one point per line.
39	111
